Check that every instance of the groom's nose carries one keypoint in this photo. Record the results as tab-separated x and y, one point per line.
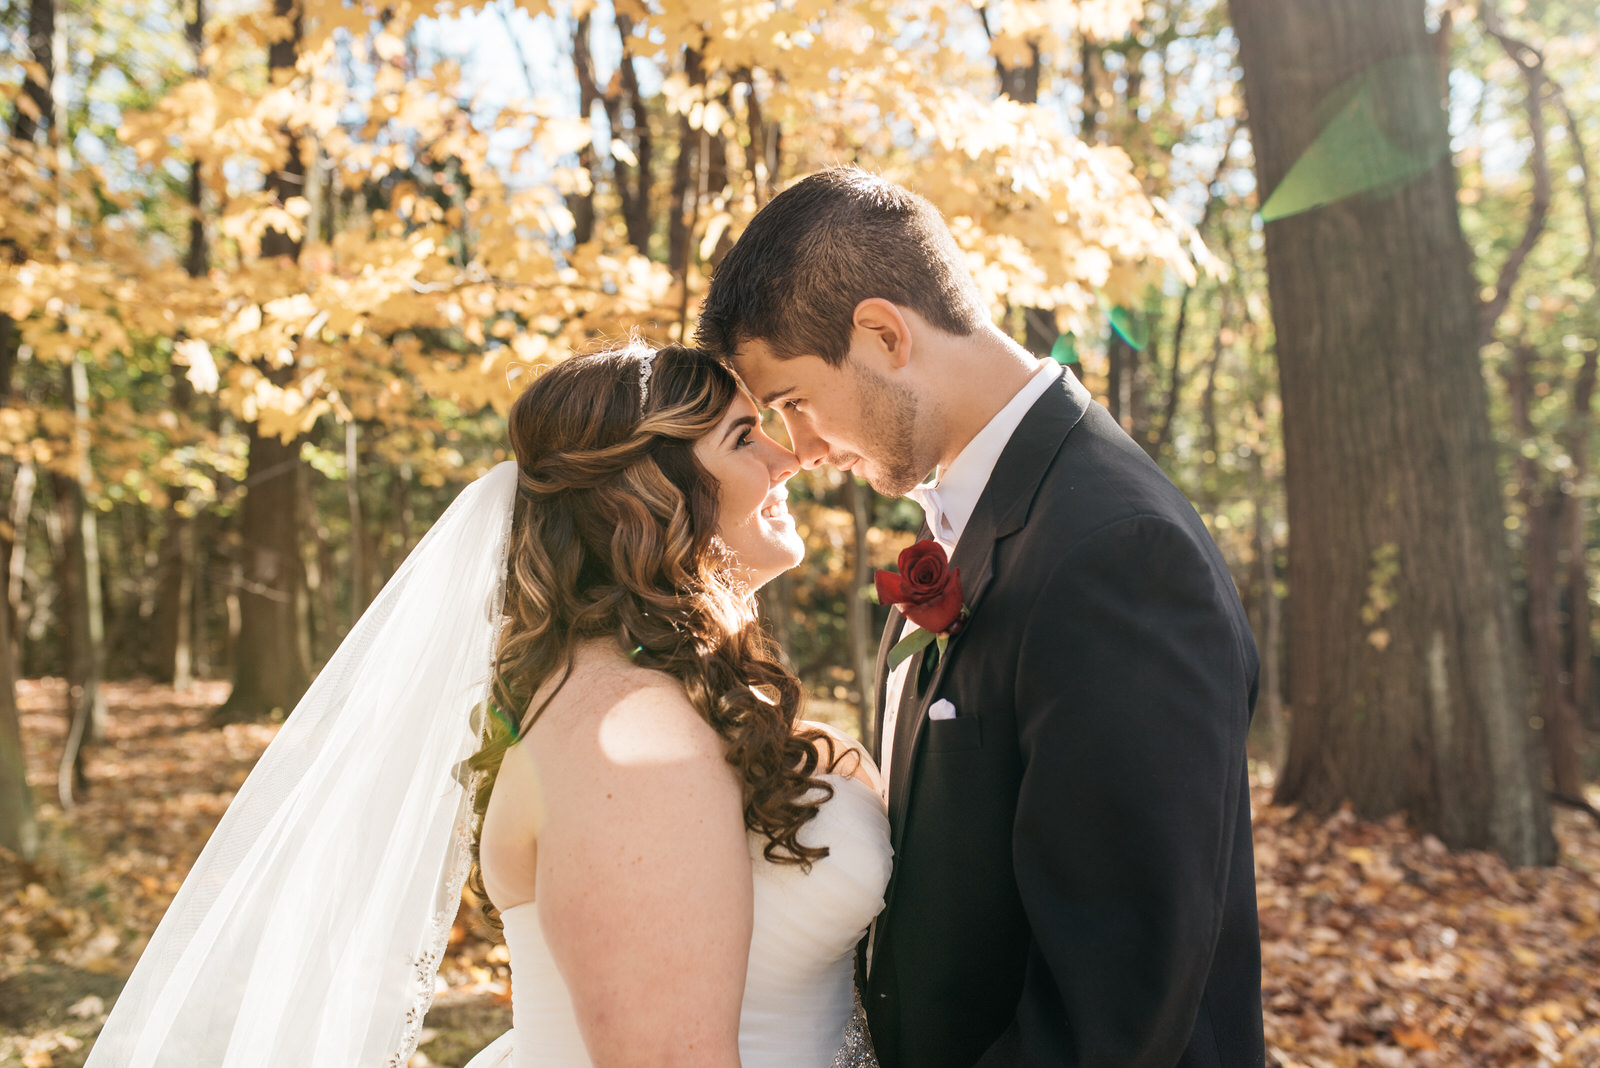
809	447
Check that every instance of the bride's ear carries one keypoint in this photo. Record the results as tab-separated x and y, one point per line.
881	331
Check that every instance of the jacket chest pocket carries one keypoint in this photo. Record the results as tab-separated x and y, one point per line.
951	735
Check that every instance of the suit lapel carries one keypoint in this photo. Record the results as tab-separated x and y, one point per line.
1002	510
891	634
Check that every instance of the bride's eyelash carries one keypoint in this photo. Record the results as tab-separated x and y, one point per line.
743	440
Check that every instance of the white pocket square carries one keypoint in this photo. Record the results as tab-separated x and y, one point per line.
941	709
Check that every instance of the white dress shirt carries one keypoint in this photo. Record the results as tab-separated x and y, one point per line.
948	502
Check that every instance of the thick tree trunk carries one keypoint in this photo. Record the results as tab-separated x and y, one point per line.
271	660
1409	691
270	667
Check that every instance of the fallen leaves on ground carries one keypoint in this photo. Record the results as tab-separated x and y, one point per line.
1380	947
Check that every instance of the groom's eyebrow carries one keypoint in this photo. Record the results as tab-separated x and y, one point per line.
771	398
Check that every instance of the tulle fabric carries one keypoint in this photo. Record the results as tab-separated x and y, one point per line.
310	930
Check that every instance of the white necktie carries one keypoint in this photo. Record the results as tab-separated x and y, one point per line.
926	494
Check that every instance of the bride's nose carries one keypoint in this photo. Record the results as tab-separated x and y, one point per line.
782	465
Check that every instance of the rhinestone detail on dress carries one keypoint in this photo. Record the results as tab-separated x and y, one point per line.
857	1050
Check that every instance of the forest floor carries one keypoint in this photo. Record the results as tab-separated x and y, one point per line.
1380	946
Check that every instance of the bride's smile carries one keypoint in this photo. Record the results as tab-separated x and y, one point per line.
751	471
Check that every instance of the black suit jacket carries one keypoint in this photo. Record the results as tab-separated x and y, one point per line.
1073	878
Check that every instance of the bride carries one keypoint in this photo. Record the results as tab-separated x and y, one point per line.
565	691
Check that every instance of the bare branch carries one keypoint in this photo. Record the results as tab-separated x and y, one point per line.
1212	200
516	46
1580	152
1531	61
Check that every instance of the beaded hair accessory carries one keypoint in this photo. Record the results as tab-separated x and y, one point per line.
646	367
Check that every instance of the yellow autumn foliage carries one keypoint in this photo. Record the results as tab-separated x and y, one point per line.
449	267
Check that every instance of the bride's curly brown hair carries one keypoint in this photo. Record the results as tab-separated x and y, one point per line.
614	534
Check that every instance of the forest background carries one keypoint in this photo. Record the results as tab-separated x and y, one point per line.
271	275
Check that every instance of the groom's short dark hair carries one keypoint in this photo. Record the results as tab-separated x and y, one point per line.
822	246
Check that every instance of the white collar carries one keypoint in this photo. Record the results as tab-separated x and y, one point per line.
950	498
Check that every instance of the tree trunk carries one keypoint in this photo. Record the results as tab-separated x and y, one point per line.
40	110
685	189
1545	523
270	667
173	658
271	661
174	628
581	204
1089	58
858	613
1580	613
1269	702
1122	384
638	214
776	599
23	483
85	608
1408	690
19	831
1021	83
352	490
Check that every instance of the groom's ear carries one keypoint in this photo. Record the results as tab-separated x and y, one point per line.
881	328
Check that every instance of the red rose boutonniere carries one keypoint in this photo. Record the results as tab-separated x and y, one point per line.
928	592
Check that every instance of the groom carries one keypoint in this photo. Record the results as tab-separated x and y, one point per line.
1073	876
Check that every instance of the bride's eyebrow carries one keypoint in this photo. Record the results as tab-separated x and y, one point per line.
742	421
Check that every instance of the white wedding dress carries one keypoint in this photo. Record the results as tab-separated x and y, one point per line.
799	990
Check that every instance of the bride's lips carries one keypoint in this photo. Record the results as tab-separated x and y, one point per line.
776	509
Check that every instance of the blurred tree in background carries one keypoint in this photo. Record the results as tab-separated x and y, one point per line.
270	274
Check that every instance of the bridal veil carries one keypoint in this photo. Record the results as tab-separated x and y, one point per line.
310	929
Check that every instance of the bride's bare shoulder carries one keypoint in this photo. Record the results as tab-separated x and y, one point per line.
611	711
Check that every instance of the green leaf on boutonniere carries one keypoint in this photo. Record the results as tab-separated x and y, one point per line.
910	645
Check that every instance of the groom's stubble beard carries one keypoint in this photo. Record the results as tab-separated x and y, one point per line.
889	441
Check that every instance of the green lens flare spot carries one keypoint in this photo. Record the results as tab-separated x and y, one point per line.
1130	327
1382	134
1065	350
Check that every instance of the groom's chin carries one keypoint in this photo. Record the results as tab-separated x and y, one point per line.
886	485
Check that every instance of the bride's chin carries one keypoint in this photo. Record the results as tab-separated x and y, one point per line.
757	579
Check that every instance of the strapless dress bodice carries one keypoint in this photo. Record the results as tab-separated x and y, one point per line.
799	988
